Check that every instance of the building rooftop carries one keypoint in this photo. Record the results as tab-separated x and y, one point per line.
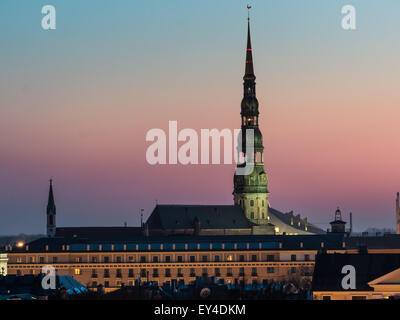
182	243
328	269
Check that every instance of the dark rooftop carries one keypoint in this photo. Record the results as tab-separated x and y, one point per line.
328	269
270	242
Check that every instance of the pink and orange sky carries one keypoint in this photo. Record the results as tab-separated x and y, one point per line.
76	104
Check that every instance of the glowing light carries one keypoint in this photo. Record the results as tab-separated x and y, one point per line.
20	244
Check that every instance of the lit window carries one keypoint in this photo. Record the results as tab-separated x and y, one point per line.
77	271
229	258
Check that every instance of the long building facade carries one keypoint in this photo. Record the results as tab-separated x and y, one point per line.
113	262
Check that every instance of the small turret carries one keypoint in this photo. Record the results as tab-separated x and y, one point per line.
338	225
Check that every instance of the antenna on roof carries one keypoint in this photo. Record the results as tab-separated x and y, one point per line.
141	217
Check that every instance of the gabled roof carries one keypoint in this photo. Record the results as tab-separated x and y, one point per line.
168	217
389	278
328	269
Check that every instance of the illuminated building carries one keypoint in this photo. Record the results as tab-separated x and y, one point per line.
236	259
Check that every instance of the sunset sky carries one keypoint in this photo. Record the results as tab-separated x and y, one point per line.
76	104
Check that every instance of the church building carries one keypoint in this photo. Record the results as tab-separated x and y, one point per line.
250	213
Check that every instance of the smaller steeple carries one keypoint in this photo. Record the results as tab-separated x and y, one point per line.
51	212
50	203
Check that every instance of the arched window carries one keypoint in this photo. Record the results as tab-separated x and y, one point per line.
252	203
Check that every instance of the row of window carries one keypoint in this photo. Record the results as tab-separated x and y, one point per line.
179	273
155	272
167	246
119	283
144	259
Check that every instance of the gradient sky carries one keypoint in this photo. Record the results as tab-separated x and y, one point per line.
76	103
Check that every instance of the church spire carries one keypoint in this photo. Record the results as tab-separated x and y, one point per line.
249	72
51	212
50	203
251	192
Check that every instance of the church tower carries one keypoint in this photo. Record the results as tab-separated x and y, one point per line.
51	213
250	191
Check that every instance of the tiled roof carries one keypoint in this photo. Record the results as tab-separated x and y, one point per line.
211	217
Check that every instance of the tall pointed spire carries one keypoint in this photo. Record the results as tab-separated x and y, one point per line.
249	73
250	192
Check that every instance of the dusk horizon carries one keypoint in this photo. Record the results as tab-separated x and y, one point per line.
77	102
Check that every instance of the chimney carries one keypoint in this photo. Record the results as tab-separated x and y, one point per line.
397	214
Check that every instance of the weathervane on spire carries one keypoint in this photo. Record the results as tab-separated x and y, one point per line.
248	12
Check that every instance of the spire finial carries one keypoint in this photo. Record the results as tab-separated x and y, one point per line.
248	12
